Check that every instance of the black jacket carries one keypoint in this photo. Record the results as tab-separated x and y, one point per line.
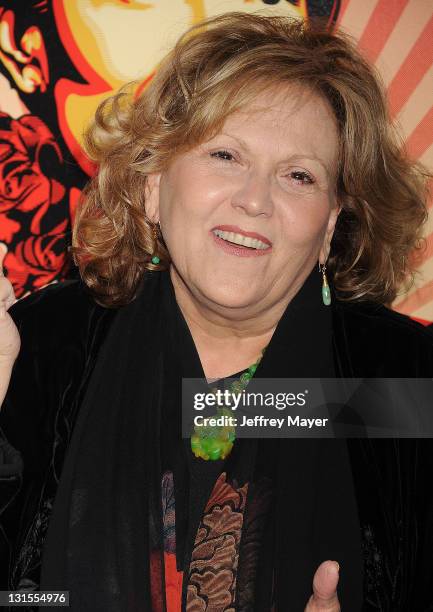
62	329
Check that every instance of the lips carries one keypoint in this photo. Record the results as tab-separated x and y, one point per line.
235	241
237	230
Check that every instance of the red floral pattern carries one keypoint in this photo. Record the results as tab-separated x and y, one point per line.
35	239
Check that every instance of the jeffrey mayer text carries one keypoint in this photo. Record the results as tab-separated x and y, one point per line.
259	421
297	421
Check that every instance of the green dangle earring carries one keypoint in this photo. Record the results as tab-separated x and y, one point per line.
155	259
326	292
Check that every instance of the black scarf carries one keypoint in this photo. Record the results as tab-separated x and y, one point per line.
107	511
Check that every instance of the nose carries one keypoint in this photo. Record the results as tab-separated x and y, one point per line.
253	195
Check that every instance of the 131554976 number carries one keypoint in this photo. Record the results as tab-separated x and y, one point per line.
42	598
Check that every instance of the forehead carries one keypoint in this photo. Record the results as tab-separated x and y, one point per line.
287	118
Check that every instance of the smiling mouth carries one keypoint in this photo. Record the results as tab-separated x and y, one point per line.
241	240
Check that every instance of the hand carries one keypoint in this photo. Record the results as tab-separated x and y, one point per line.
325	589
9	337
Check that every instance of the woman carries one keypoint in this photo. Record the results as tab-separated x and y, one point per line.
260	150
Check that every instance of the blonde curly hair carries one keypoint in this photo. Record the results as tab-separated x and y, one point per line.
216	68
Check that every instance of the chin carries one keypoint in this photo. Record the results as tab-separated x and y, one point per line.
230	295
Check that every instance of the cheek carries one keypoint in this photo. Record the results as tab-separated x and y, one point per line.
188	199
304	223
185	209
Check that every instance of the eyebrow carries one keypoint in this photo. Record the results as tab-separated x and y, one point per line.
312	158
296	156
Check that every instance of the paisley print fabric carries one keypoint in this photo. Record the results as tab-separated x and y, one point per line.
225	533
214	561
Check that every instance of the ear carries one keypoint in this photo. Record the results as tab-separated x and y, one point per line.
326	245
151	196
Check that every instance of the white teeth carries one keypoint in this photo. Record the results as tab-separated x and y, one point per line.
252	243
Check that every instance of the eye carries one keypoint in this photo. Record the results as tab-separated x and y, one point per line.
223	155
301	177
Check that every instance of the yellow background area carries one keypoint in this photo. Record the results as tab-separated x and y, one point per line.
125	42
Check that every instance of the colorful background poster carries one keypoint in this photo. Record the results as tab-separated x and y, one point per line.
60	58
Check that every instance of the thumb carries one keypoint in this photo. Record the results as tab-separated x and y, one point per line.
325	588
3	253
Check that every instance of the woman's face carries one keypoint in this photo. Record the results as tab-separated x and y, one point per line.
270	175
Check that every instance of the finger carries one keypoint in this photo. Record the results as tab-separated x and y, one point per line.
325	586
5	304
3	251
7	295
325	583
4	307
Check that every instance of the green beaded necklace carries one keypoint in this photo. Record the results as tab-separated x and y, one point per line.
216	442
